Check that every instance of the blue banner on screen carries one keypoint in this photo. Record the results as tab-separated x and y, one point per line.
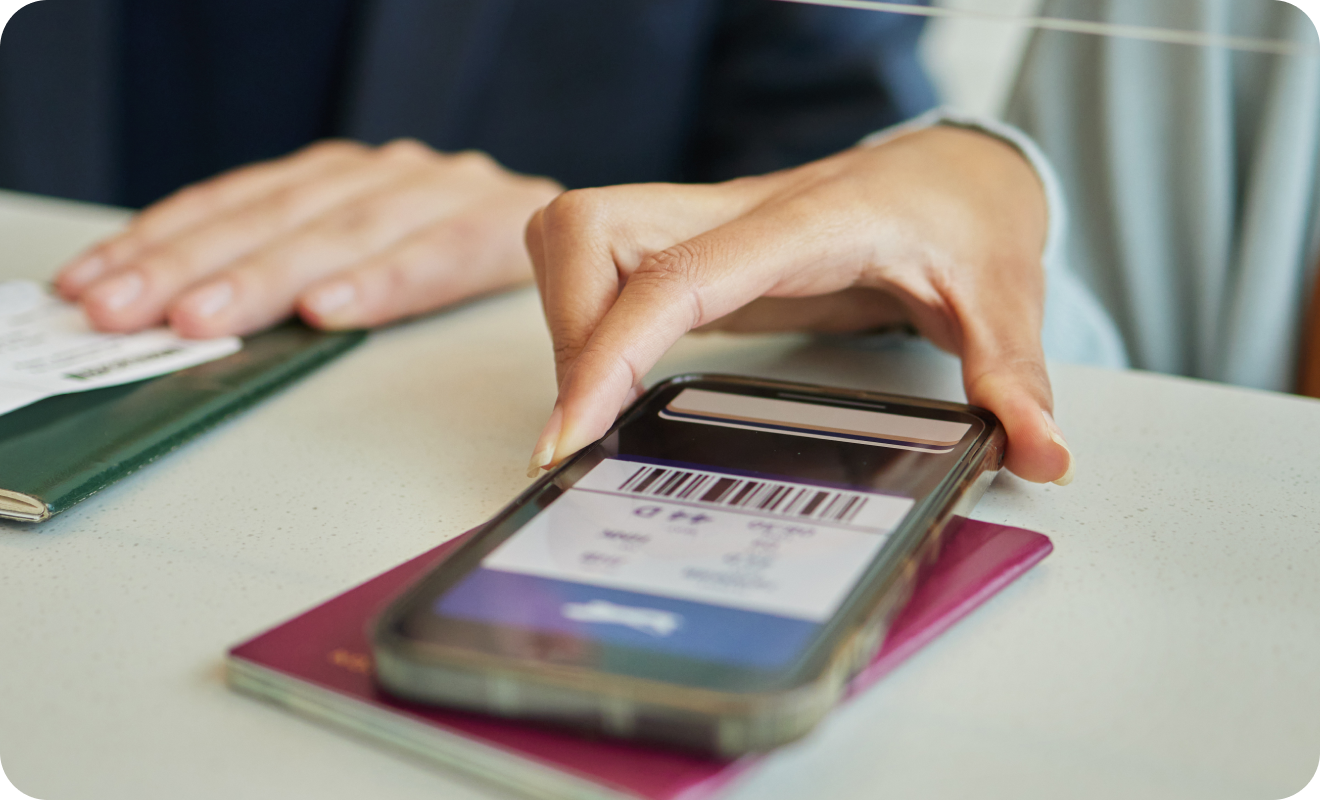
632	619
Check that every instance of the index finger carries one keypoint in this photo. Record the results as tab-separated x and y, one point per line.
670	293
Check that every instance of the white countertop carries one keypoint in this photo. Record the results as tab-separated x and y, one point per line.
1168	648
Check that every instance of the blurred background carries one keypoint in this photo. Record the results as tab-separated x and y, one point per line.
973	61
1189	165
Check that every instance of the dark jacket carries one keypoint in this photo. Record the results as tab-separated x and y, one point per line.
591	92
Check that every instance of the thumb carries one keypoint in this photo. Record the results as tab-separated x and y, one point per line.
1017	390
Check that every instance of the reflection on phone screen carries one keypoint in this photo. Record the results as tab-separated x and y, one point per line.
717	526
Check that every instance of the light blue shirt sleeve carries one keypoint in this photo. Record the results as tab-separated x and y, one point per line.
1194	178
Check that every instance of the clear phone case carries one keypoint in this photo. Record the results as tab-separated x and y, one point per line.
630	693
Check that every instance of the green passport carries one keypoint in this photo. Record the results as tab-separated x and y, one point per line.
63	449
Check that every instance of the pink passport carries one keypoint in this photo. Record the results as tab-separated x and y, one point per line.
319	664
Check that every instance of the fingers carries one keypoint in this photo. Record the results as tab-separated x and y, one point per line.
656	307
607	339
984	298
342	233
260	288
1003	365
942	229
577	270
1004	368
1037	450
162	273
461	257
1004	371
195	204
586	244
544	455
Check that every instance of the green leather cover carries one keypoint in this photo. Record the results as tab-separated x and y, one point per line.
60	450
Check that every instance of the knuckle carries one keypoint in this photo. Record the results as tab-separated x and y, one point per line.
354	222
463	234
566	347
120	248
671	278
474	160
472	165
288	201
328	149
398	276
203	194
254	280
405	149
673	271
542	186
534	240
244	280
532	230
676	263
164	265
393	287
618	368
578	208
207	195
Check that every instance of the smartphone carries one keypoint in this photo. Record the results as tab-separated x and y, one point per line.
707	576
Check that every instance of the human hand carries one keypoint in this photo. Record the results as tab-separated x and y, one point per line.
942	228
345	235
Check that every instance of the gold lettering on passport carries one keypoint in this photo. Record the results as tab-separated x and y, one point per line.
353	662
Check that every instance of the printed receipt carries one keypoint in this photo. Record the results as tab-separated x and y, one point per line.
47	348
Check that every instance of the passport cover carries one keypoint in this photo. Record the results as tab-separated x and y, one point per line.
60	450
319	664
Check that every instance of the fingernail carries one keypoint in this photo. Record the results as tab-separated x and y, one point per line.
327	300
83	272
209	300
1056	436
544	454
118	291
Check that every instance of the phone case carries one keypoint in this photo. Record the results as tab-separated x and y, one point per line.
721	723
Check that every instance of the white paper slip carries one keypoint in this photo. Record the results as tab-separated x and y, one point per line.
47	348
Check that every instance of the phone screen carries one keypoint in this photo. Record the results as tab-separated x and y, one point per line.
714	526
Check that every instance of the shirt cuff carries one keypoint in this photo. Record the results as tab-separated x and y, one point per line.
1024	144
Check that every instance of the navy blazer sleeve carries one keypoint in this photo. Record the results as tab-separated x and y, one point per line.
788	83
590	92
601	92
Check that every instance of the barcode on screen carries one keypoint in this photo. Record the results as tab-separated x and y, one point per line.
806	502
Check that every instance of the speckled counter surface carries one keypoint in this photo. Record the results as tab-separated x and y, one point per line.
1168	648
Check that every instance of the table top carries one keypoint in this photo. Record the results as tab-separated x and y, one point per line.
1166	649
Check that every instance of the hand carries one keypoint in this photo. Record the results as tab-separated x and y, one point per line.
345	235
941	228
